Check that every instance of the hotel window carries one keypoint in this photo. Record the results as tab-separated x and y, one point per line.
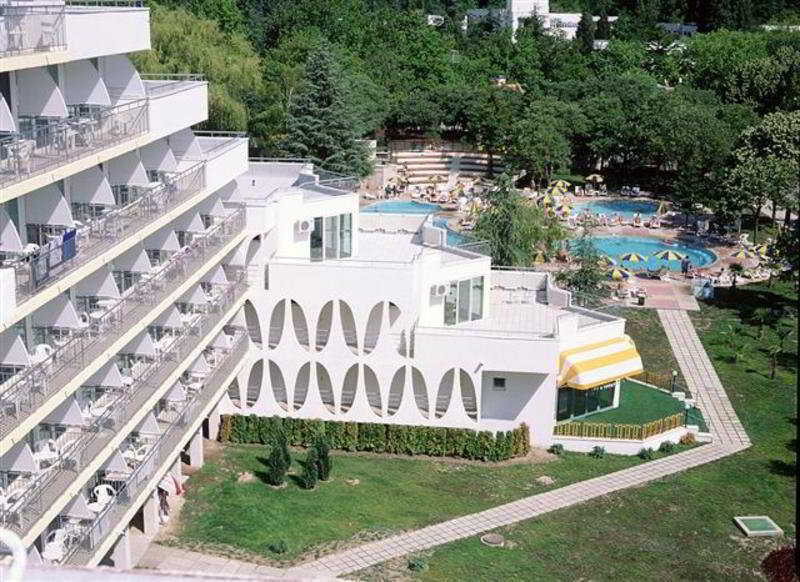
464	301
332	237
576	403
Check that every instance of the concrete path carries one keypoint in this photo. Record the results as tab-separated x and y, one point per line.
729	437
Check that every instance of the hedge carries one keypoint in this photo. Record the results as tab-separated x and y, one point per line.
378	438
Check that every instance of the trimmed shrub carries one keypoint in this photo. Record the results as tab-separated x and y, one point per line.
391	438
780	565
688	439
276	467
323	455
646	454
556	449
308	478
278	547
666	447
597	452
417	564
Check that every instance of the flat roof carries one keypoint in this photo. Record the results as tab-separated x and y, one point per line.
402	248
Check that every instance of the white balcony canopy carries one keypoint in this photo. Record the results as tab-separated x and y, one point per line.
141	345
67	413
133	260
6	119
216	276
199	367
148	425
39	96
230	193
127	170
108	376
48	206
12	350
176	394
189	222
223	341
185	145
122	79
78	508
238	320
159	156
19	459
99	284
212	207
84	85
9	237
163	240
91	187
195	296
115	464
58	312
34	557
170	318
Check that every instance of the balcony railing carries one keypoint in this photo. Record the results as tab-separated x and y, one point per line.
30	388
85	546
36	150
51	484
74	249
31	29
162	83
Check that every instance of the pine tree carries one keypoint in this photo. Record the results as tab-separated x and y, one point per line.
283	446
276	469
320	122
308	479
584	36
603	27
324	464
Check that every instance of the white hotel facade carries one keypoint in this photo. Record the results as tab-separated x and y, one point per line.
153	278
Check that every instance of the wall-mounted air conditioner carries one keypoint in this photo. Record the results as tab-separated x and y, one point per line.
438	290
304	226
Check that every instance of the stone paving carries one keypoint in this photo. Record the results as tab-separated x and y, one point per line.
729	437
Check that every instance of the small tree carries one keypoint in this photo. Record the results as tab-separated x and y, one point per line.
774	352
764	317
734	342
276	469
603	26
584	35
588	278
324	464
283	445
783	333
310	474
736	270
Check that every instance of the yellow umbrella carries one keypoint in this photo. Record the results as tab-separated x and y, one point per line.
564	208
762	250
633	258
539	258
668	255
742	254
546	200
594	178
606	261
618	274
560	184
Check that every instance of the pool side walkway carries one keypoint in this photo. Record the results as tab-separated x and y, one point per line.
729	438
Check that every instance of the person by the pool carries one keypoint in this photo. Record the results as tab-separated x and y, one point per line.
685	265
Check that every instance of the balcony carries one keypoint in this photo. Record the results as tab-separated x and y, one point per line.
32	29
26	391
85	449
84	547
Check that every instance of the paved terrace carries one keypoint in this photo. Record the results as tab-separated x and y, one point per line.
729	438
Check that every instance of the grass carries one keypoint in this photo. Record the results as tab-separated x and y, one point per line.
223	515
638	404
651	341
680	527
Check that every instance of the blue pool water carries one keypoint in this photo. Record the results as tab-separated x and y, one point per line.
401	207
454	238
625	208
616	246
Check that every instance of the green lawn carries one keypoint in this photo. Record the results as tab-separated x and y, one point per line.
680	527
651	341
638	404
223	515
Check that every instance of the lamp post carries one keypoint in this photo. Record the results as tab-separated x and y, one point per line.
674	377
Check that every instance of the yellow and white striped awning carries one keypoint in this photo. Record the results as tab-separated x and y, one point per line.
595	364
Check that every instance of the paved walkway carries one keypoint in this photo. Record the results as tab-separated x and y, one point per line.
729	437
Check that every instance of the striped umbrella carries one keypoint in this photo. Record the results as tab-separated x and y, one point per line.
545	200
563	208
594	178
742	254
606	261
633	258
560	184
762	250
668	255
539	258
618	274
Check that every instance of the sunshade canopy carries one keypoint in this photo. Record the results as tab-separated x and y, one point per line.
116	464
78	508
195	296
163	240
133	260
91	187
127	170
84	85
19	459
6	119
101	283
215	276
185	145
170	318
58	312
9	236
12	350
141	345
108	376
159	156
39	96
148	425
199	366
600	363
121	78
48	206
67	413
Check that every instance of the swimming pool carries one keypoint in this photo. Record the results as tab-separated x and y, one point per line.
401	207
454	238
625	208
616	246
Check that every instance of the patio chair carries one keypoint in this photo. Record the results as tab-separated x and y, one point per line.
55	545
104	494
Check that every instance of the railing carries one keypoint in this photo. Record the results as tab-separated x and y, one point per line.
604	430
39	149
422	145
40	495
108	3
162	83
287	160
27	390
665	381
222	146
166	446
31	29
57	259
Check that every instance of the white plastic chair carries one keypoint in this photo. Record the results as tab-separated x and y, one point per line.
54	545
104	493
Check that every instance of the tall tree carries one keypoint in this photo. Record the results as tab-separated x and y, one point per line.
603	27
584	35
320	123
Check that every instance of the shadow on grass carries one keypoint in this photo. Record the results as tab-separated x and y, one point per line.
782	468
745	300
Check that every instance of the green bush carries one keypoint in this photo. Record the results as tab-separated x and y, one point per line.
417	564
276	467
556	449
278	547
597	452
667	447
646	454
308	478
323	455
390	438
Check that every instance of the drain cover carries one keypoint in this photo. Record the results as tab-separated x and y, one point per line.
494	540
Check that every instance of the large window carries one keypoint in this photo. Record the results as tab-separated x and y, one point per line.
332	237
574	403
464	301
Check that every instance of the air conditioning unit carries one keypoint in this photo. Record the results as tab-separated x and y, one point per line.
304	226
438	290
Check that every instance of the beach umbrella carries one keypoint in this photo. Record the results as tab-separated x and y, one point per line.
633	258
539	258
668	255
560	184
762	250
564	208
606	261
545	200
742	254
618	274
594	178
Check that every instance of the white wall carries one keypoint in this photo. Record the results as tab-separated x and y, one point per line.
172	112
106	31
527	398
